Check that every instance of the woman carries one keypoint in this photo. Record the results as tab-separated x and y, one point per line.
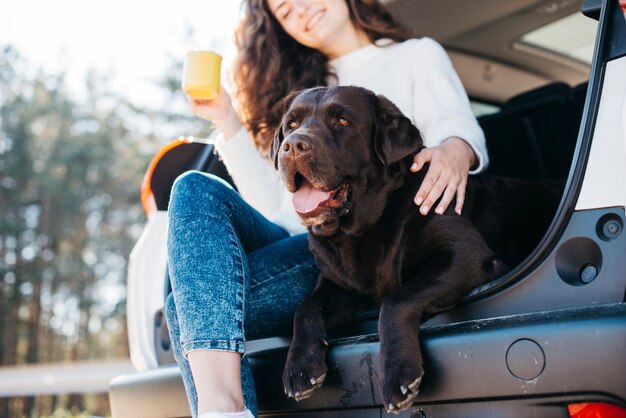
236	272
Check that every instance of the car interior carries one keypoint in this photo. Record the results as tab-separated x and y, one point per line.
486	41
540	95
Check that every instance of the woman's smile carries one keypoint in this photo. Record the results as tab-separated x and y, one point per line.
314	20
317	24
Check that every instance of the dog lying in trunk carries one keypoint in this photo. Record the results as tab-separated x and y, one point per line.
345	155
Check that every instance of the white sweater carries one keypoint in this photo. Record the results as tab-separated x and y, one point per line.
416	75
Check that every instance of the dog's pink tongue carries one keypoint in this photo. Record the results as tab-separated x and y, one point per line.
307	198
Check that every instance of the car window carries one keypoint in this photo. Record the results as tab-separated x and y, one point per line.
572	36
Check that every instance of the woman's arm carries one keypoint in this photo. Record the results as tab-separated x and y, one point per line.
256	179
455	141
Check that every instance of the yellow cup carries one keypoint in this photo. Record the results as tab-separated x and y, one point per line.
201	74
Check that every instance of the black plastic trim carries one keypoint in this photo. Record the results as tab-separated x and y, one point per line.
591	8
617	43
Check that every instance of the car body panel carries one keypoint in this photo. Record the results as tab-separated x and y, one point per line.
146	271
604	184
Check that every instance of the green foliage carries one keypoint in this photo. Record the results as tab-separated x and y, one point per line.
63	413
70	175
69	180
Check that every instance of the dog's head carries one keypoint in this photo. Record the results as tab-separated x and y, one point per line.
341	151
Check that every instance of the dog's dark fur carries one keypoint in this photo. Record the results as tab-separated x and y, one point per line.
372	245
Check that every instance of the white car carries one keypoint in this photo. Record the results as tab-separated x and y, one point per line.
547	339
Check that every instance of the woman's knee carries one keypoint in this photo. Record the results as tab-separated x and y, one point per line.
198	188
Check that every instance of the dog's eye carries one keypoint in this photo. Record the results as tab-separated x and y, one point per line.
343	122
293	124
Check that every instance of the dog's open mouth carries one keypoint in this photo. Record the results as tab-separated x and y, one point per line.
307	199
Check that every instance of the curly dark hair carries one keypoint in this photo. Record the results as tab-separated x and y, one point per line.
270	64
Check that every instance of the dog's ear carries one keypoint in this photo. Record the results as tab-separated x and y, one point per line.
395	136
278	139
278	135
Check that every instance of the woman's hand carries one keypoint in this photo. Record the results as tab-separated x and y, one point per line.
450	163
218	110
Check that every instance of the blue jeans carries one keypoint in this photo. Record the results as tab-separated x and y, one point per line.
235	275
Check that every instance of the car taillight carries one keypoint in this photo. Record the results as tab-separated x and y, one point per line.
595	410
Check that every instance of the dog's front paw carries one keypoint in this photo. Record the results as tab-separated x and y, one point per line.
400	381
305	369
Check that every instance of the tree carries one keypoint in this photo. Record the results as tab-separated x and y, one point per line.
70	172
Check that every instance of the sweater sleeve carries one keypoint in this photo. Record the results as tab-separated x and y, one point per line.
256	179
442	108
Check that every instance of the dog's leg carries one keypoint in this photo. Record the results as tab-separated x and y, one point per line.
328	306
438	287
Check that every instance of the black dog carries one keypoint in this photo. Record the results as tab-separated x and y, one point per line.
345	153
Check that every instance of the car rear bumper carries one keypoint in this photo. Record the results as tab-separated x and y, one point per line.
509	365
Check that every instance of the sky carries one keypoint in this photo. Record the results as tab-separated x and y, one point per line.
128	39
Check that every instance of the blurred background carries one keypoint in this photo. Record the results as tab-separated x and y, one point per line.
89	92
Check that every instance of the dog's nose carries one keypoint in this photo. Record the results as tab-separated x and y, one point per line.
296	145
